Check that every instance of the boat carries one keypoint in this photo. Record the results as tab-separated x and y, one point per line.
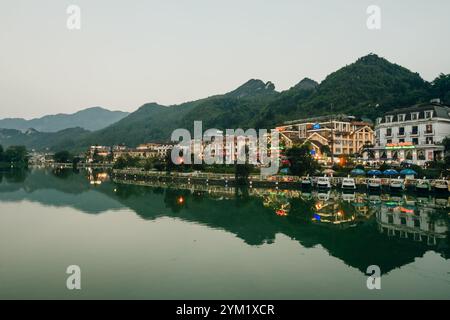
423	185
440	186
374	183
306	182
396	185
323	195
348	197
348	184
323	183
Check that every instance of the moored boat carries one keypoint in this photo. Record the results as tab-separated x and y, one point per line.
423	185
306	182
323	183
440	186
348	184
374	184
397	185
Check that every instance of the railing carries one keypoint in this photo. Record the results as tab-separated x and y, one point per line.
335	181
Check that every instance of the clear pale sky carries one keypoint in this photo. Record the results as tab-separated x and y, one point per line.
128	53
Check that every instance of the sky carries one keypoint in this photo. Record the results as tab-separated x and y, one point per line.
128	53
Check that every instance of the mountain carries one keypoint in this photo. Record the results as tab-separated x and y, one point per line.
366	88
252	88
90	119
52	141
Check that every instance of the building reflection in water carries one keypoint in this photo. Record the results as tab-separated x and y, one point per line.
420	219
358	228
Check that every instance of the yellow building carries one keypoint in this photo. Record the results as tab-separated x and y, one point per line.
341	134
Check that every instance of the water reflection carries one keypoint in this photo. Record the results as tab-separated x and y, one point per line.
358	228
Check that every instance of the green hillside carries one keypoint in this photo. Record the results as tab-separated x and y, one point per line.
367	88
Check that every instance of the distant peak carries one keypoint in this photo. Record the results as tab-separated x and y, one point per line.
251	88
306	84
371	58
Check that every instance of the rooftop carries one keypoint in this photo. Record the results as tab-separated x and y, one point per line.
439	111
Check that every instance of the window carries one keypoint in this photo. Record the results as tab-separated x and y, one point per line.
401	117
428	114
389	132
409	155
401	140
415	130
401	131
417	223
414	116
429	128
415	141
429	140
421	155
388	119
389	141
403	220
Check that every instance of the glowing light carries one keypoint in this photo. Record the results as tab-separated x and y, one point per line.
281	212
180	200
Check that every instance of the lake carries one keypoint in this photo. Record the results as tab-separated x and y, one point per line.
186	242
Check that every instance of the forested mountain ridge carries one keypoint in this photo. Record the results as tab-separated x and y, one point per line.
369	87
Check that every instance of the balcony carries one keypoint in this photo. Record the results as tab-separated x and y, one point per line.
429	132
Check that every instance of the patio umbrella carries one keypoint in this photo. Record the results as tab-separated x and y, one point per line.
408	172
374	173
358	172
390	172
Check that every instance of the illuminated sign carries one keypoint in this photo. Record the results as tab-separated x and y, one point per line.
316	126
400	145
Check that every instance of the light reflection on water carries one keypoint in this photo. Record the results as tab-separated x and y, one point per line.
283	237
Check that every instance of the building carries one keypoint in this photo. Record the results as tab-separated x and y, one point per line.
98	152
412	134
340	134
143	151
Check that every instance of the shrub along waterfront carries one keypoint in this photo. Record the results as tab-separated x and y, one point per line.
13	156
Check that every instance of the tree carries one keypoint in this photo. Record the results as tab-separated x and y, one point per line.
1	153
62	157
126	161
242	170
96	158
446	144
440	87
301	161
149	164
121	163
16	154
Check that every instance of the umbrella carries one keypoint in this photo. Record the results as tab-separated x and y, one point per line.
390	172
408	172
358	172
374	173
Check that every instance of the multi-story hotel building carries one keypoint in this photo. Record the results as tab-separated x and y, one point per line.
342	134
412	134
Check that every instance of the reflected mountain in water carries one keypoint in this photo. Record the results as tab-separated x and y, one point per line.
359	229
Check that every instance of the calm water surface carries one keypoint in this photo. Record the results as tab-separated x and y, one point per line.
163	242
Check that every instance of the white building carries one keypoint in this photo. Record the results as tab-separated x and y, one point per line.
412	134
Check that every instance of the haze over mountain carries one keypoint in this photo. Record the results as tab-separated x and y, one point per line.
95	118
366	88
